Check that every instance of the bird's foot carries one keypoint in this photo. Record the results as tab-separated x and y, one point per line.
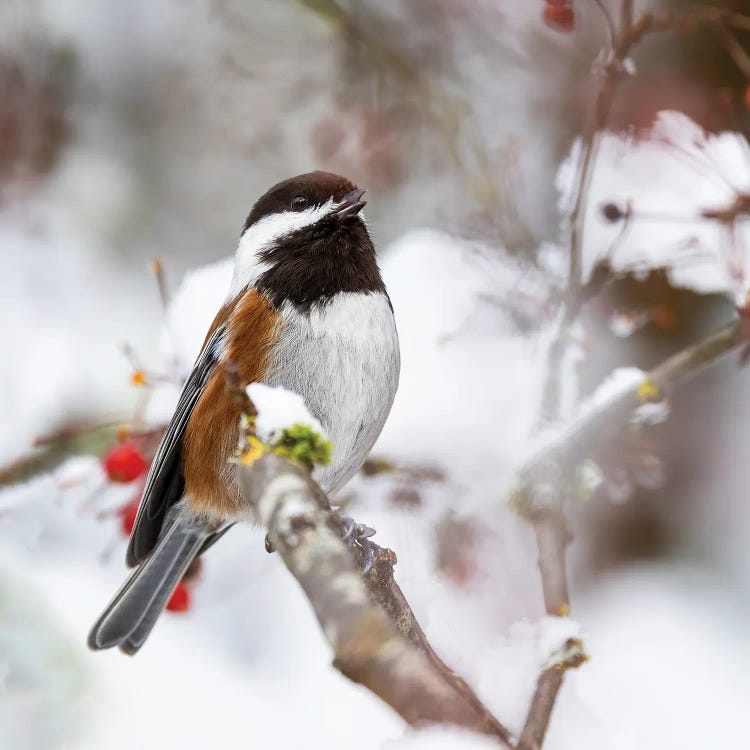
357	537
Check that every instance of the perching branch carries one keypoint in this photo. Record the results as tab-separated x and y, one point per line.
375	636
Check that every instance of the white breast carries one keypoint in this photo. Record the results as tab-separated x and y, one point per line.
343	359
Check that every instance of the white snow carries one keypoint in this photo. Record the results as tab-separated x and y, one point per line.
464	366
620	382
652	413
669	175
279	409
554	634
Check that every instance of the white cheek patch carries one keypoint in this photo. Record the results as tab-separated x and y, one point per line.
262	235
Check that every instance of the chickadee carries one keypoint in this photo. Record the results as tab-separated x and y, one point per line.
307	310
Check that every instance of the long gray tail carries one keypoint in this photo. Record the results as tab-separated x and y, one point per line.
132	614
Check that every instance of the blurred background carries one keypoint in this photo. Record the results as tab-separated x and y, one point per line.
146	129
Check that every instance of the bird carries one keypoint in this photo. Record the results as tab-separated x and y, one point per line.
307	309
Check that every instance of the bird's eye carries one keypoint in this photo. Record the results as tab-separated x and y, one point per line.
299	202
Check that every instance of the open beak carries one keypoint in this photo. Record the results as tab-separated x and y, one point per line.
351	204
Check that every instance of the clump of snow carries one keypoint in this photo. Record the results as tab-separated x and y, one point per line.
652	412
279	409
554	634
619	382
668	176
616	385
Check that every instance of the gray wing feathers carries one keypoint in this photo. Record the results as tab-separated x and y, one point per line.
164	484
133	612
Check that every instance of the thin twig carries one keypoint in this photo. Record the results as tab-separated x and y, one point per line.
157	268
608	20
549	522
597	121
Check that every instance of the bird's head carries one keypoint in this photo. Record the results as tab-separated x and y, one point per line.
305	240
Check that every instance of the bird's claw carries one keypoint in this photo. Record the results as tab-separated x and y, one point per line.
357	537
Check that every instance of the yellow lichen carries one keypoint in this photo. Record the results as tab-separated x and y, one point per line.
648	391
253	450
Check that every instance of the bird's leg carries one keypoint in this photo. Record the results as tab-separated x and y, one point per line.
357	537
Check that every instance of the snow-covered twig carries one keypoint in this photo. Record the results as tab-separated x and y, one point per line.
540	497
570	444
375	636
549	522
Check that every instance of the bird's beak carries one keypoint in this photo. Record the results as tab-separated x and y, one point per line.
351	204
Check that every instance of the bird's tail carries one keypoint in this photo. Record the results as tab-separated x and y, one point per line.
132	614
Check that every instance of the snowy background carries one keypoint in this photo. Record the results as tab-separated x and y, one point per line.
130	130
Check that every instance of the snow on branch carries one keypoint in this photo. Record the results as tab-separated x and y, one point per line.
611	406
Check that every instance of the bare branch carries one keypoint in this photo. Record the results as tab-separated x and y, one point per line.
547	687
375	636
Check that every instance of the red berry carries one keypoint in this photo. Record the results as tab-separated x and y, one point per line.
128	513
124	463
180	599
559	17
